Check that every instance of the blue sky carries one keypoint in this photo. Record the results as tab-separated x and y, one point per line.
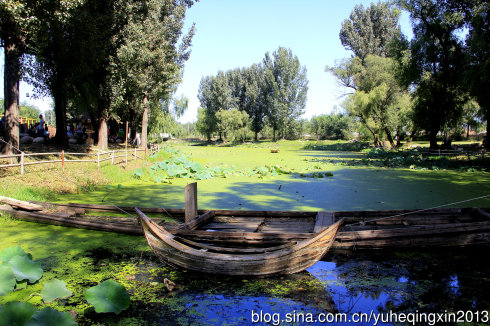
238	33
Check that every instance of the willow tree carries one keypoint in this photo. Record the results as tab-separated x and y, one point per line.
150	60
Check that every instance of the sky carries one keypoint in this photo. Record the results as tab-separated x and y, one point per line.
238	33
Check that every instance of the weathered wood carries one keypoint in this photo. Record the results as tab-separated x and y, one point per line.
202	219
283	261
74	222
21	204
323	221
190	202
483	214
234	250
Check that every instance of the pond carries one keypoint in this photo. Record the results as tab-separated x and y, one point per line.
357	288
353	284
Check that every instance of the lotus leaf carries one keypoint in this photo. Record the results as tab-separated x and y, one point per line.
16	313
10	252
108	296
7	280
24	268
49	317
55	289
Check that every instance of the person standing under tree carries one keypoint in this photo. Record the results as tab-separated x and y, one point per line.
40	128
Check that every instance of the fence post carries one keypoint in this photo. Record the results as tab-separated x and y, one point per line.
62	160
112	157
98	160
22	163
135	153
126	143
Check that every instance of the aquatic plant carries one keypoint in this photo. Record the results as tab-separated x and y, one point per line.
108	296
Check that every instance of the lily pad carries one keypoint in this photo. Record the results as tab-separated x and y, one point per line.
10	252
25	269
49	316
108	296
16	313
55	289
7	280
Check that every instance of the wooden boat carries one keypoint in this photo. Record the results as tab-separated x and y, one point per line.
289	258
360	230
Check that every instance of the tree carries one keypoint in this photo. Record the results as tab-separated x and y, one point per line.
437	64
150	60
17	20
478	56
233	123
206	124
29	111
255	104
215	95
286	87
335	126
50	70
370	30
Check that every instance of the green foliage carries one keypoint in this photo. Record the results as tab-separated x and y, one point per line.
25	269
10	252
48	316
336	126
380	102
354	146
29	111
108	296
21	266
233	124
316	175
16	313
286	87
55	289
436	64
7	280
369	31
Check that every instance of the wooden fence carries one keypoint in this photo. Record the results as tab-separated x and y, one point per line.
444	152
64	157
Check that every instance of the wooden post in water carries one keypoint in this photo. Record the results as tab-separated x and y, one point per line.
190	202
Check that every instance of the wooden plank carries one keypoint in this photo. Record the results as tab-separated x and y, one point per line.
21	204
190	202
323	220
200	220
483	214
234	250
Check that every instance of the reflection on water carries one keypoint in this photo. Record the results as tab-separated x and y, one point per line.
383	282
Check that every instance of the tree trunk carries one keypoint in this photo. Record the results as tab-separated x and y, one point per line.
433	139
390	138
144	122
274	134
102	142
256	136
60	103
12	79
487	142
